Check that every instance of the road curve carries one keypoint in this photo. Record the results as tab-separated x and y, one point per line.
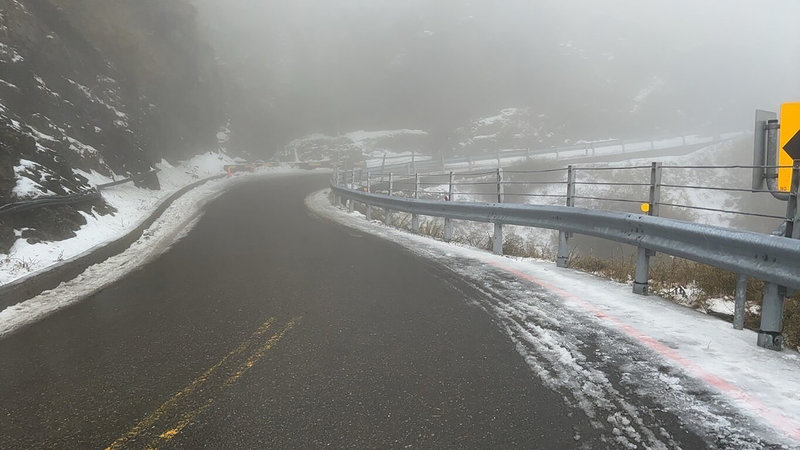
267	327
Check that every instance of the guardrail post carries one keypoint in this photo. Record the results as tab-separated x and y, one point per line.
415	217
741	298
337	199
350	202
448	222
641	280
562	257
769	334
497	243
387	214
369	191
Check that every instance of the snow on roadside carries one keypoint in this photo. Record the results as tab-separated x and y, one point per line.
133	205
172	225
600	345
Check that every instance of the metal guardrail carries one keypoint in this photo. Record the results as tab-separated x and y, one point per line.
769	258
772	258
16	207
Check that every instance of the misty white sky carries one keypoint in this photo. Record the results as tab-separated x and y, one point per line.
424	63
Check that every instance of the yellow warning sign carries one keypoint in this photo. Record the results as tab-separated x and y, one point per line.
790	127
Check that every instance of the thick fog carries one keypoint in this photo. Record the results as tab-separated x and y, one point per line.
599	69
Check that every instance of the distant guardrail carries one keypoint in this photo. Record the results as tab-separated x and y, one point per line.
59	200
137	177
423	163
16	207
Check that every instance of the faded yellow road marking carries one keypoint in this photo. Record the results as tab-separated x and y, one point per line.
254	357
260	353
151	419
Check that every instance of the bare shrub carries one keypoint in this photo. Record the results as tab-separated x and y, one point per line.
791	321
431	226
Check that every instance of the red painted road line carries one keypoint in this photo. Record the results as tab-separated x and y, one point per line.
777	419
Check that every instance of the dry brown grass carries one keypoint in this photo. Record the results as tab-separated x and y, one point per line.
618	269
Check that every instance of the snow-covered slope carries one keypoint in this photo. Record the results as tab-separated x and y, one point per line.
130	205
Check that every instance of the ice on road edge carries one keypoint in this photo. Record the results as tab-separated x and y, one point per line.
696	366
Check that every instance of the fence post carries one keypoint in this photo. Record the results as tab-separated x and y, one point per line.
383	166
499	165
741	298
769	334
351	203
415	217
641	279
448	222
562	257
413	162
387	214
369	191
497	243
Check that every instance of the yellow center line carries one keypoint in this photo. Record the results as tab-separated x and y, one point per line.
152	418
244	367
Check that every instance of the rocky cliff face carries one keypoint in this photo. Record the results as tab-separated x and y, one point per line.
110	86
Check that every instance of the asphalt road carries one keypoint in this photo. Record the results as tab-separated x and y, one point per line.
269	328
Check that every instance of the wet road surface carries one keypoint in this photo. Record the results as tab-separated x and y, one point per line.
267	327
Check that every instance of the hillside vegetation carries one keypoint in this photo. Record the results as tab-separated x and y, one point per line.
109	86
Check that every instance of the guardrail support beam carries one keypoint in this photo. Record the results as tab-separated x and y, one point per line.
415	217
769	334
387	213
642	275
497	241
350	202
562	256
741	299
337	199
369	191
641	280
448	222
